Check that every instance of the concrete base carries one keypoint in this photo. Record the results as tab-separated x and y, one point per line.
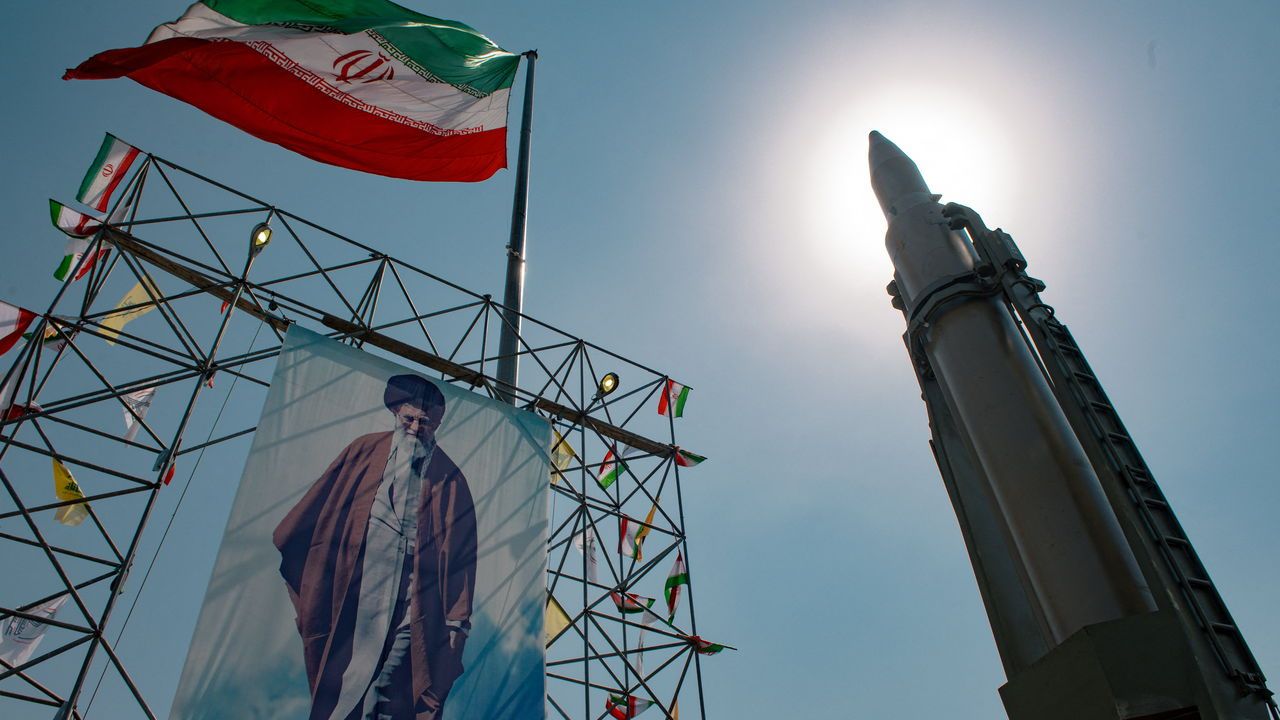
1135	668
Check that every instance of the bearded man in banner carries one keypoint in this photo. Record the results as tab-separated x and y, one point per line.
379	557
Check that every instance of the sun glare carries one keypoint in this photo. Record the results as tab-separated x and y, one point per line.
957	145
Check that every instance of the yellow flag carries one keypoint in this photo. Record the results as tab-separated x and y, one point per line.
562	456
557	618
66	488
113	323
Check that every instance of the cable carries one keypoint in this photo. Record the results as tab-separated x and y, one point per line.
177	506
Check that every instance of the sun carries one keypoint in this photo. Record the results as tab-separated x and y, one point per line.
958	145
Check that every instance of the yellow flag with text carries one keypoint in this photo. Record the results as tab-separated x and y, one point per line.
562	456
140	300
66	488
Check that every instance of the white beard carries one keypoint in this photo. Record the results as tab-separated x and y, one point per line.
408	446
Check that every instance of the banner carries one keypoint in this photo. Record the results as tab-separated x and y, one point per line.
385	556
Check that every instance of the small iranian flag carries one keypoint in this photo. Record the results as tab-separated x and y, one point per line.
106	173
66	488
676	578
136	405
684	458
14	410
76	249
610	468
631	604
673	399
705	647
14	321
631	534
623	707
366	84
19	636
72	222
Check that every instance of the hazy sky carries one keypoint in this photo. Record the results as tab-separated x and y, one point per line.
700	202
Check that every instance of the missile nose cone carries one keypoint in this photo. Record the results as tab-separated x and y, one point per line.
895	179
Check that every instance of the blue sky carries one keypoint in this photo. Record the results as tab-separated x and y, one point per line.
700	202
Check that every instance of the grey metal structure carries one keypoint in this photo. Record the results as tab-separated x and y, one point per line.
1099	606
185	241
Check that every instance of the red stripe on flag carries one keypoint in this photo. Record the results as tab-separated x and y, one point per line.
87	265
25	317
235	84
116	177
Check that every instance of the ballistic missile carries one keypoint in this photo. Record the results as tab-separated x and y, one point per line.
1059	561
1099	605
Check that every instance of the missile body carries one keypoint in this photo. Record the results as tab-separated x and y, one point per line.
1069	565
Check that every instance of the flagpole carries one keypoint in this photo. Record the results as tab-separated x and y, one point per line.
513	297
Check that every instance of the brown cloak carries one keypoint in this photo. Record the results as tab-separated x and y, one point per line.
321	543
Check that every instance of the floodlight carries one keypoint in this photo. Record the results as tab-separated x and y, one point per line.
259	238
608	384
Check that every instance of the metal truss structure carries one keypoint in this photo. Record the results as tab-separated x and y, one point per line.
205	322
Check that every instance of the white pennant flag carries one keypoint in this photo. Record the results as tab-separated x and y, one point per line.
586	544
19	636
138	403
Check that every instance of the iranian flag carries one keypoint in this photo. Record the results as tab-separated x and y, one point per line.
677	578
705	647
362	84
623	707
114	159
610	468
673	398
684	458
13	322
72	222
630	603
631	534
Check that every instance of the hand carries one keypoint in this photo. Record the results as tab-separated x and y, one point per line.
455	639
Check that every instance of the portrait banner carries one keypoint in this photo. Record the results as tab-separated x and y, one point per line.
385	555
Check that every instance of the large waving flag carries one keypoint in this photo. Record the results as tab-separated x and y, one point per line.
363	84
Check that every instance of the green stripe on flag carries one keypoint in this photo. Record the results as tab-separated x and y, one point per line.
684	395
94	169
676	580
65	267
450	51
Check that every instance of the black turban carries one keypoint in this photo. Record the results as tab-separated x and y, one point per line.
417	390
